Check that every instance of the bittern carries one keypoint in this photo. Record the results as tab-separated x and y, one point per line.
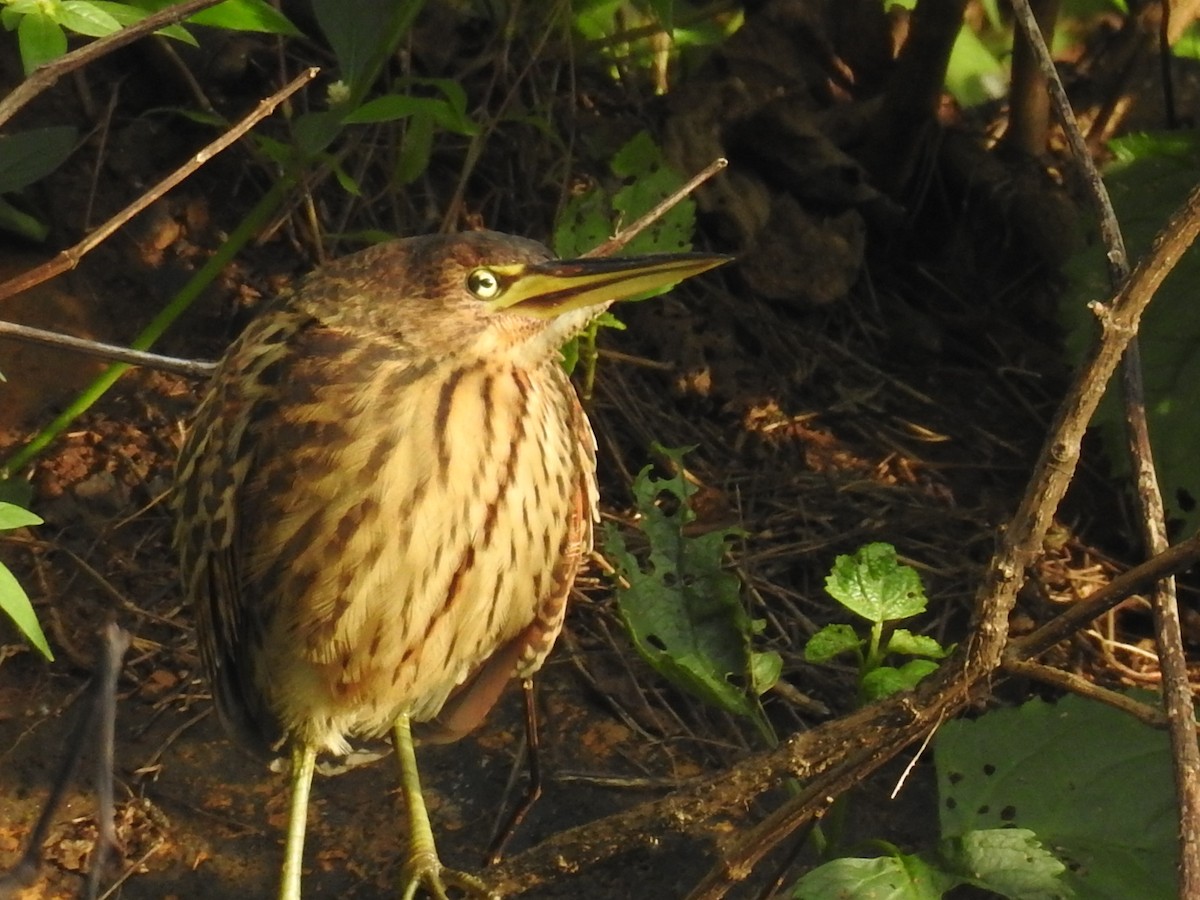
385	496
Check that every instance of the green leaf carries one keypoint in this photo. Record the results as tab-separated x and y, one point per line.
345	180
391	107
24	8
452	113
1093	783
16	491
974	74
417	147
765	668
15	602
570	355
887	680
873	584
899	877
1188	46
683	609
594	18
87	18
279	152
127	15
648	181
388	108
21	223
235	15
1179	147
13	516
590	218
247	15
585	223
41	40
609	320
454	94
905	642
832	641
30	155
1152	173
314	132
1010	862
357	31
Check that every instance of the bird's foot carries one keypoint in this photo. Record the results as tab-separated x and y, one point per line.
425	870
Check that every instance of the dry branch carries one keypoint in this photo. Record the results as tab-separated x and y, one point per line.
68	259
845	751
1168	633
47	76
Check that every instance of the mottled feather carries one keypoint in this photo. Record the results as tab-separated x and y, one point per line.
370	513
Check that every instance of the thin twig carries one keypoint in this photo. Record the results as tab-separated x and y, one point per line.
1168	633
68	259
116	641
192	367
47	76
1141	578
1110	230
1077	684
615	243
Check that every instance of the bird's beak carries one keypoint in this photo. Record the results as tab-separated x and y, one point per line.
549	289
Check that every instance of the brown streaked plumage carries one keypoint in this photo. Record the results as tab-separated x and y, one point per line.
386	494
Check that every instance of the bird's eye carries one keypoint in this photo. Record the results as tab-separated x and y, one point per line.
483	283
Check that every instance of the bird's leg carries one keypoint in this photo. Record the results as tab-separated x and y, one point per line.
304	760
422	868
533	791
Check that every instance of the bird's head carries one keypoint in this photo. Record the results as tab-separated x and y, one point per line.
483	291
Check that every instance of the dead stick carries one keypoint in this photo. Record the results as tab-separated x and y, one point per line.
1168	632
616	243
47	75
1150	716
1142	577
191	367
68	259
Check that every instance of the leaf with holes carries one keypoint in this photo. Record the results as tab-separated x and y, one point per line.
683	608
1093	784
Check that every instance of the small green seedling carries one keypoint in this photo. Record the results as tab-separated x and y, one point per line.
874	585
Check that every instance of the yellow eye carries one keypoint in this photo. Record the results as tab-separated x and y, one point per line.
484	284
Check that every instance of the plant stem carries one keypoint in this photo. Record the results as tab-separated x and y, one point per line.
246	230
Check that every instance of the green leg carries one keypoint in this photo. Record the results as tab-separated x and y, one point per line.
422	868
304	760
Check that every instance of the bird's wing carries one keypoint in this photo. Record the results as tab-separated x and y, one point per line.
216	460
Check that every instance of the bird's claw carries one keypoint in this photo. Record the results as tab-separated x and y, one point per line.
428	872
